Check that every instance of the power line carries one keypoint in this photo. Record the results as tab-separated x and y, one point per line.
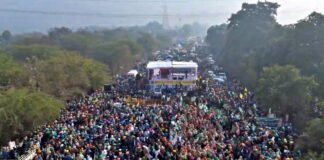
146	1
105	15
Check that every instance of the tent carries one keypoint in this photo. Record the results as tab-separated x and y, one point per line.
132	72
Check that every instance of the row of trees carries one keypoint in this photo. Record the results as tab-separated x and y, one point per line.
282	63
22	110
32	92
118	45
39	71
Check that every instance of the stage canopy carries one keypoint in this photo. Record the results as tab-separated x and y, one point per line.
171	64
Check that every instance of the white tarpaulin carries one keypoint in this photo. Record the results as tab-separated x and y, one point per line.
132	72
171	64
159	64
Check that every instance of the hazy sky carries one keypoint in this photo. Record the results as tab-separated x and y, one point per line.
39	15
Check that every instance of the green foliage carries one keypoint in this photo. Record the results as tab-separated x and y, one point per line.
97	73
147	42
306	46
120	56
319	91
216	38
57	32
248	73
163	41
248	30
254	13
253	40
70	73
77	42
186	30
6	35
10	71
314	138
62	64
22	52
22	110
286	91
253	31
314	156
154	27
121	45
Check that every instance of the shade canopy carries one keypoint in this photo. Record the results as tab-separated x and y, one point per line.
171	64
159	64
133	72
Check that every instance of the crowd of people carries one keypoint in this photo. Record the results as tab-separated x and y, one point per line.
219	123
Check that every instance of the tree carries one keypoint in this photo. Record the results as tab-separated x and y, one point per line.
198	29
77	42
306	39
163	41
6	35
22	110
249	70
68	74
319	91
97	73
154	27
314	137
216	38
314	156
286	91
10	71
266	10
185	31
120	56
148	43
248	30
32	38
57	32
22	52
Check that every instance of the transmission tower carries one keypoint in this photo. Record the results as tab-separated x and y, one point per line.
165	17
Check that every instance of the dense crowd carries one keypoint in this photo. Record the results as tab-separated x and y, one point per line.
218	121
219	124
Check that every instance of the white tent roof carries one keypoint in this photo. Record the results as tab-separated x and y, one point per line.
171	64
159	64
132	72
182	64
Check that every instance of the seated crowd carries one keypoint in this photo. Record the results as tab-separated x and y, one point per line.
218	124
